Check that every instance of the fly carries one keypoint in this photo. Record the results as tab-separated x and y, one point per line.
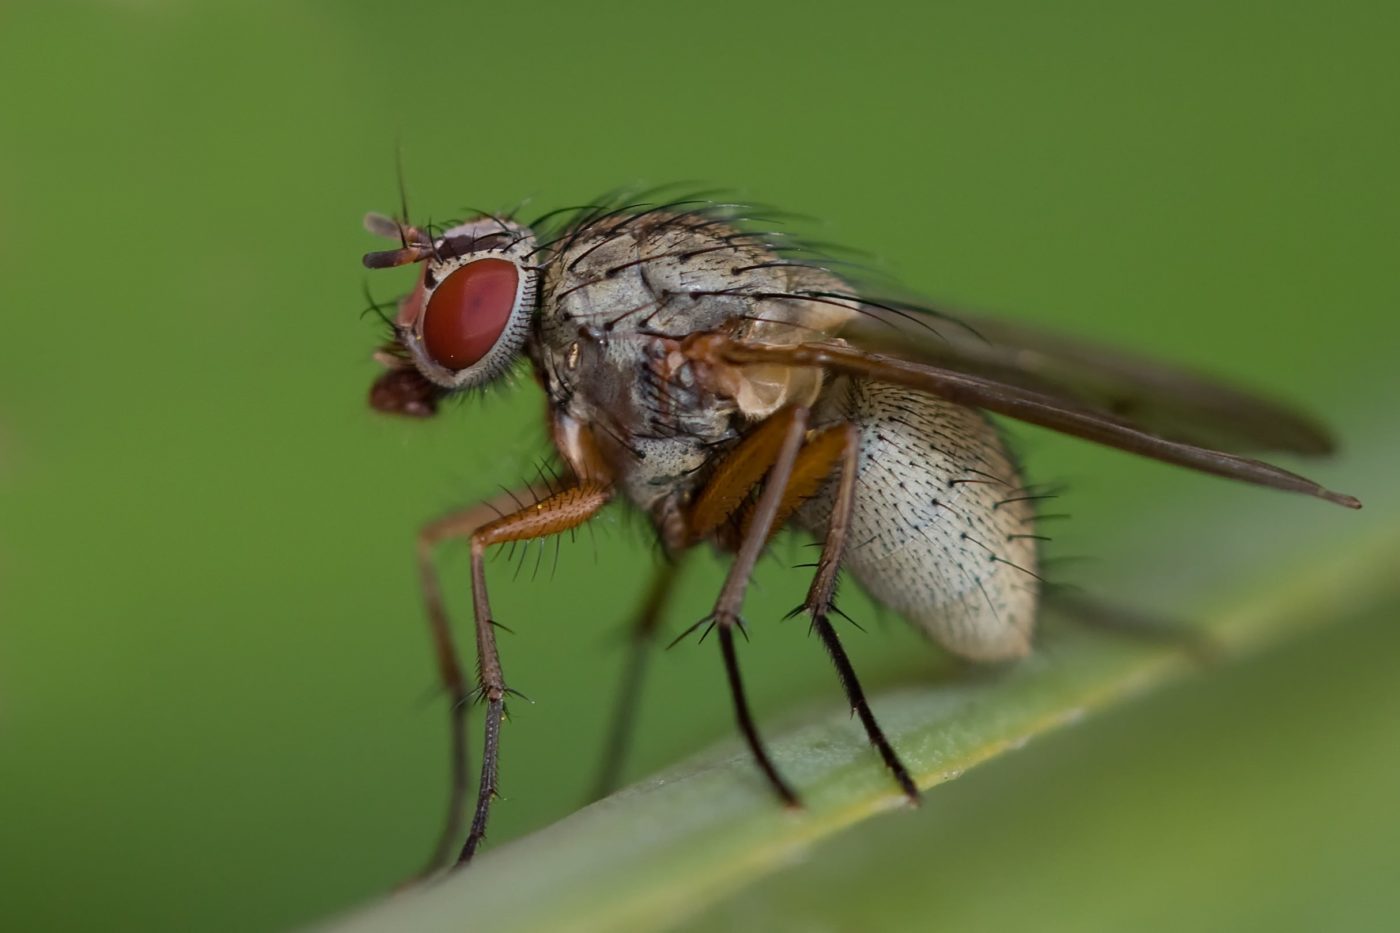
727	385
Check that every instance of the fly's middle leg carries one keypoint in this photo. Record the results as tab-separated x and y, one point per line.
641	636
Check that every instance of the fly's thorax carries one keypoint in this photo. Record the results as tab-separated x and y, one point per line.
617	296
655	434
942	527
674	275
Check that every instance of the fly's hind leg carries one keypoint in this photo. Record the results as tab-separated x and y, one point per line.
834	448
819	603
800	465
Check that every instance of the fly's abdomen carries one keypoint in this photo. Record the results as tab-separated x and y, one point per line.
941	525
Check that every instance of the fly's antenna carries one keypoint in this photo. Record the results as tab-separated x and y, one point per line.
415	244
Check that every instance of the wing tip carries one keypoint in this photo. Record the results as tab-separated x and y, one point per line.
1342	499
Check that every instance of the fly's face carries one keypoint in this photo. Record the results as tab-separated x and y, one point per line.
467	318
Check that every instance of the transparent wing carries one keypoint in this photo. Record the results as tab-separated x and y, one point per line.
1168	401
1006	398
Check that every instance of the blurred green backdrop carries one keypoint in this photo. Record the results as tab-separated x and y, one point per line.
216	692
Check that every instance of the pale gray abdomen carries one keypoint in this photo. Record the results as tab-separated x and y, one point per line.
941	526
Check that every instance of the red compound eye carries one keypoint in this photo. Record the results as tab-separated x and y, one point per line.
468	312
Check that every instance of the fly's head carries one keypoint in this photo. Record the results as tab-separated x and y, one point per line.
467	319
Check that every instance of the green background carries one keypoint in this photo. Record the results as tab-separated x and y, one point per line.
217	707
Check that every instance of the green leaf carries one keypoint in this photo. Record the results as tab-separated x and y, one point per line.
663	850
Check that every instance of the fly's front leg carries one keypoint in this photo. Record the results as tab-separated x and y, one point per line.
819	606
458	525
506	508
552	515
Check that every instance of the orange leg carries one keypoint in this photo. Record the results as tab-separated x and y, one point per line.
552	514
737	474
727	492
458	524
816	462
